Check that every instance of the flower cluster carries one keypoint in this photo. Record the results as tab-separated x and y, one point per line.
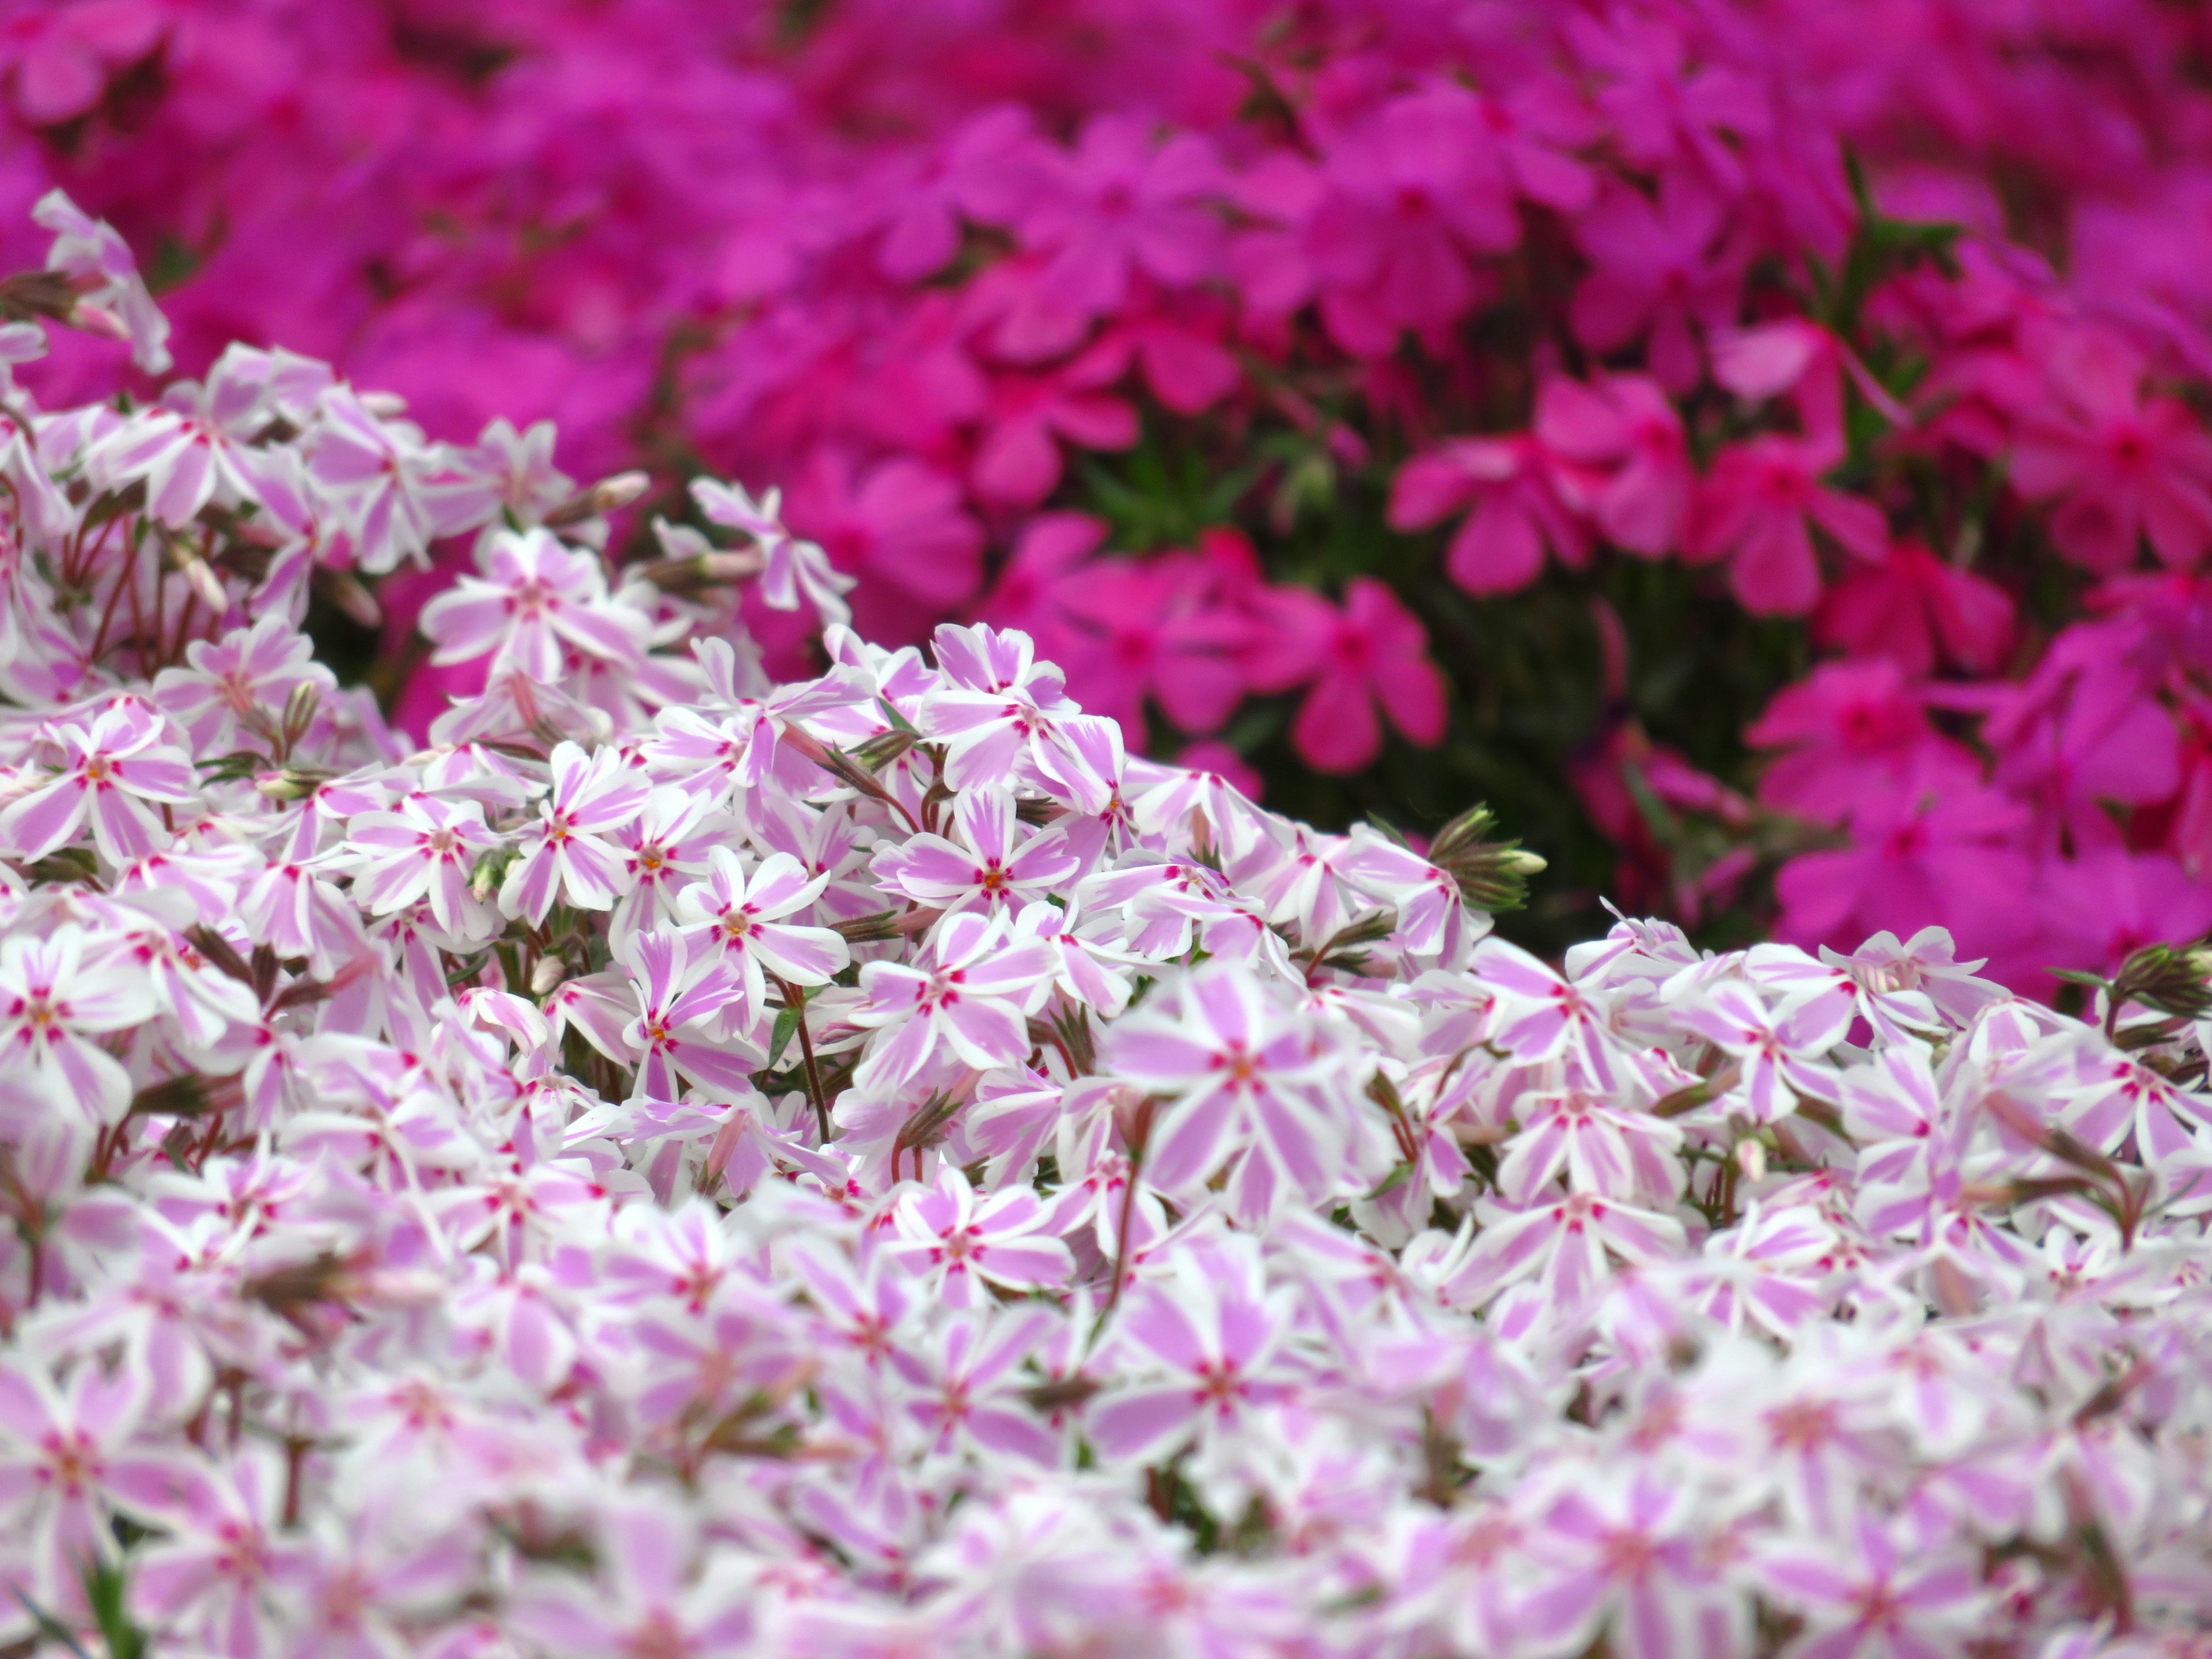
685	1164
1156	329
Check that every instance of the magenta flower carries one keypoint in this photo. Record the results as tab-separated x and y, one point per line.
112	771
1119	203
1656	275
1756	509
1411	192
1918	609
1372	653
1513	490
1017	460
957	1245
1619	456
2123	467
899	524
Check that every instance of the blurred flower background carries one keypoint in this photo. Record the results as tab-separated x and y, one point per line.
1758	446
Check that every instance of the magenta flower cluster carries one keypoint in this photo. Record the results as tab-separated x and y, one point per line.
1582	282
682	1164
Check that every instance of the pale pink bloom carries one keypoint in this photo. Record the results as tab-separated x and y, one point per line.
998	713
113	770
745	916
996	862
679	985
240	685
1567	1246
1237	1069
1622	1558
794	569
1781	1052
569	853
957	1243
966	1388
1867	1594
653	1594
1595	1146
378	471
970	991
537	599
425	849
216	1571
1207	1345
664	847
52	1004
70	1460
91	251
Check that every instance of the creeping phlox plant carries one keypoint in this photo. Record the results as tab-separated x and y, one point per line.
1506	399
684	1165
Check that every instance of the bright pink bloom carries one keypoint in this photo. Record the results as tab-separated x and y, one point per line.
1917	609
1656	277
1373	652
2123	466
1756	509
1514	490
1619	456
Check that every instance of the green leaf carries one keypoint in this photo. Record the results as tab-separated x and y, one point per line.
787	1024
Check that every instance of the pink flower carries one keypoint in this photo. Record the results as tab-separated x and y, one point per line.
1856	733
1914	608
747	915
957	1245
1411	192
1372	653
113	770
567	853
1120	203
2124	467
1656	276
900	525
1017	460
537	599
1213	1341
425	849
1518	510
1781	1053
240	684
67	1464
678	984
1238	1070
51	1008
1865	1594
1755	509
1619	456
968	994
993	864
